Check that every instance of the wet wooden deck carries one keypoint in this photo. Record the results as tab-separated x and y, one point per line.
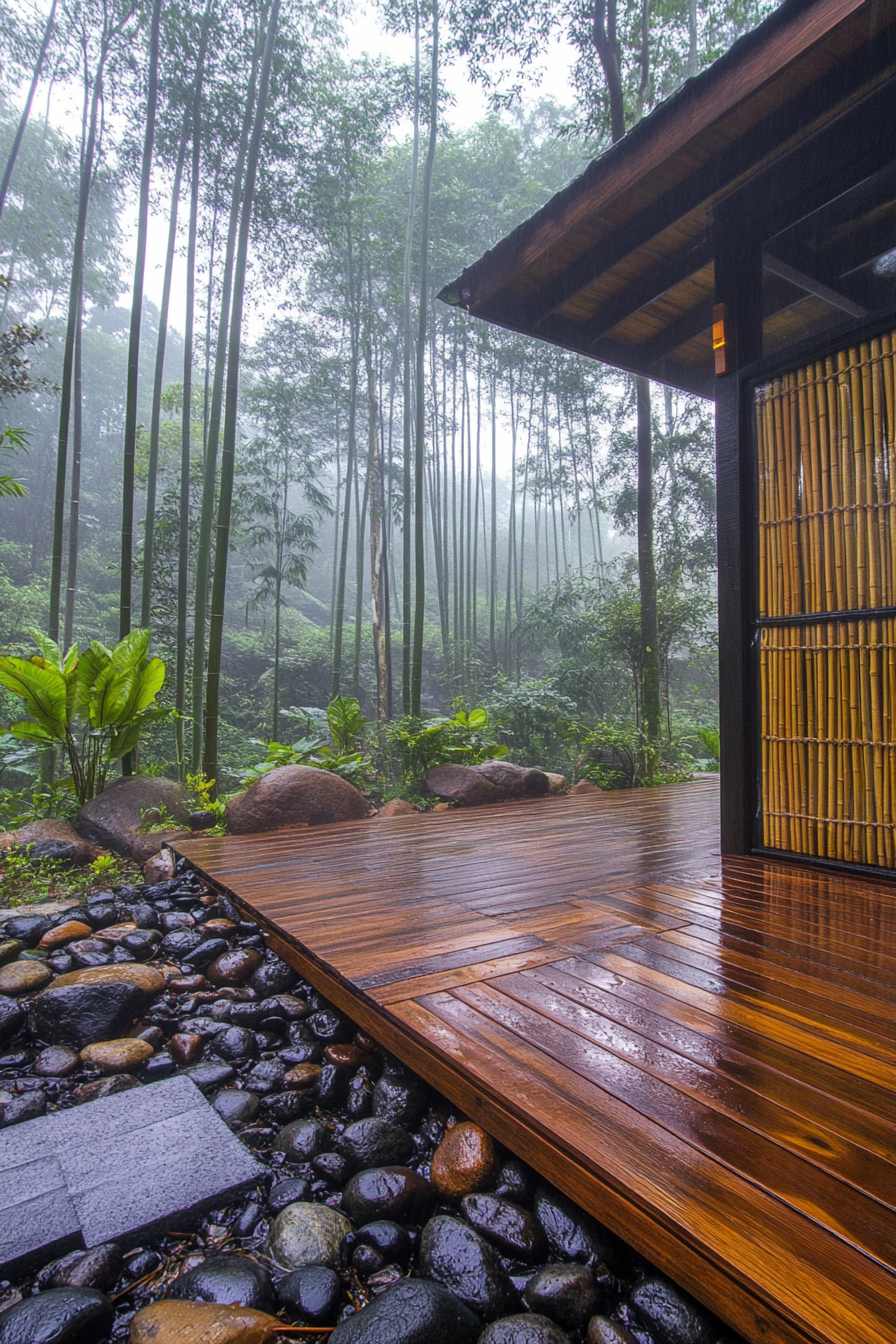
702	1053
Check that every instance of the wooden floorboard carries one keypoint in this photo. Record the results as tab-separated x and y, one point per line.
702	1052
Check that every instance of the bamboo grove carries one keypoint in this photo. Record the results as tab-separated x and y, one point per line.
291	438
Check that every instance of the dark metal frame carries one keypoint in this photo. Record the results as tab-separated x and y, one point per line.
741	223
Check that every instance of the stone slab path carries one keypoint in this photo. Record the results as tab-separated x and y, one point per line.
144	1160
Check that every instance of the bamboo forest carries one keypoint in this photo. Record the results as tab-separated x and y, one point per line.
237	416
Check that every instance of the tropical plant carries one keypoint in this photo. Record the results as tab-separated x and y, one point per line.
12	440
464	739
621	755
93	704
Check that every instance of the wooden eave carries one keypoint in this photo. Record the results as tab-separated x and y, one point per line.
618	265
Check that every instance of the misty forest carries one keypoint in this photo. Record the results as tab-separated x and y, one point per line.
363	530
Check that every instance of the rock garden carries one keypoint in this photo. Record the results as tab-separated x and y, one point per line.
377	1214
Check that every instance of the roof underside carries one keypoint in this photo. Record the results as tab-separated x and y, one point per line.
619	265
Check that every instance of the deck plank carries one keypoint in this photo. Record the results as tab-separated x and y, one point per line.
702	1052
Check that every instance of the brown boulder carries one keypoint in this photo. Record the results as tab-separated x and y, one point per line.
8	839
63	831
160	868
557	782
121	1056
396	807
586	786
461	784
294	795
465	1161
113	818
515	781
173	1322
145	847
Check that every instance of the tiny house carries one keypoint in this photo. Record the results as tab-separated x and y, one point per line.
740	243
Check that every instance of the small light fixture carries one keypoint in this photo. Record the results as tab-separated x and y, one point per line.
719	337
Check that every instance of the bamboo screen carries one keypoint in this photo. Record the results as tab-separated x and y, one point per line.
826	439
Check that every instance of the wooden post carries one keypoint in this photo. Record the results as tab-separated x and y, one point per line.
738	277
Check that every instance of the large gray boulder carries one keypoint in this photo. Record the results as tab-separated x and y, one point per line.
113	818
295	795
516	781
490	782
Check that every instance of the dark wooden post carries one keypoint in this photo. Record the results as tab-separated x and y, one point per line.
738	286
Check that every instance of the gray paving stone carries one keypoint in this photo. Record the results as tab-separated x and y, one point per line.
144	1160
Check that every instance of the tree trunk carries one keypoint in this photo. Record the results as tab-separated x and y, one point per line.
130	414
374	495
26	110
408	412
228	445
68	356
186	428
74	514
420	430
155	421
210	465
650	665
350	469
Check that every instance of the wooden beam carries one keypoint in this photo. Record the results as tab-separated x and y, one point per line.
647	289
811	285
684	328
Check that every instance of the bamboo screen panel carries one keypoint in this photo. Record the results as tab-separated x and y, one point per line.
826	439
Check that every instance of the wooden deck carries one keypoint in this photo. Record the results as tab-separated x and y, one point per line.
702	1053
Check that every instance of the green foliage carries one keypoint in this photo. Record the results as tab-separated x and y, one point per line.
36	803
93	704
418	745
619	755
11	441
710	739
535	719
333	742
24	879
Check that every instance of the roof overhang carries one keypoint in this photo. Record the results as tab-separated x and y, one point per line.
619	264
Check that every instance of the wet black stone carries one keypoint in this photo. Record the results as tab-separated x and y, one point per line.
601	1330
274	977
517	1182
331	1087
237	1108
394	1193
246	1015
330	1027
144	916
141	943
120	954
288	1192
303	1139
332	1168
180	942
236	1043
101	915
571	1233
266	1076
60	851
29	929
204	1026
204	954
207	1076
513	1229
201	820
412	1312
287	1005
524	1329
58	1316
17	1059
670	1315
78	1015
60	963
400	1096
566	1293
12	1016
228	1279
26	1107
456	1256
141	1263
303	1052
374	1143
97	1268
247	1220
281	1107
312	1292
159	1067
359	1102
391	1242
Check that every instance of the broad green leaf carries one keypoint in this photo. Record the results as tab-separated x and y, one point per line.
148	681
41	688
109	696
478	718
49	649
123	741
89	666
129	654
71	659
27	731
